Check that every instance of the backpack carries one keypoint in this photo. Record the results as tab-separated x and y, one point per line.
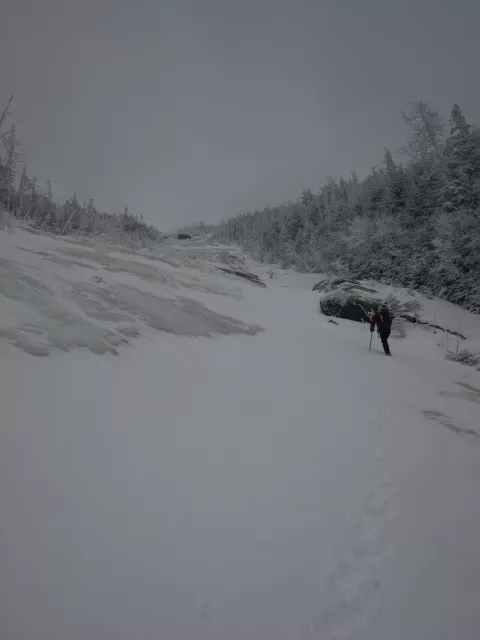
385	321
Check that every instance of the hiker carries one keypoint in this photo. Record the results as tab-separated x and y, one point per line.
382	318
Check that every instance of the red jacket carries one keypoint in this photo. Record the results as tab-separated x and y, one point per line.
374	320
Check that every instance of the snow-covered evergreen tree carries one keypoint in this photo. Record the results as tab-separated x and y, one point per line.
416	224
8	169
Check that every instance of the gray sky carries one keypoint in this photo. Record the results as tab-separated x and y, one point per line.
198	109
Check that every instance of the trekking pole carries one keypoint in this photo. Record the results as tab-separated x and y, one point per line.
371	336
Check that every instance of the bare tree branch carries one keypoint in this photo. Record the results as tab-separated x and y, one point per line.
6	111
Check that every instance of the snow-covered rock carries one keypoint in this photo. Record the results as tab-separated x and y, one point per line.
348	299
58	296
347	305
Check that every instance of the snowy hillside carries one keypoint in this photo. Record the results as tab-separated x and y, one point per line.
187	454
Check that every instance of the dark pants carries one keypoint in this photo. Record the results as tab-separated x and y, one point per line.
384	335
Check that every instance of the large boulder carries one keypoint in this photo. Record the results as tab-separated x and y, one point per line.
347	298
348	305
352	300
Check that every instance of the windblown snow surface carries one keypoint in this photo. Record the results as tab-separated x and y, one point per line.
185	454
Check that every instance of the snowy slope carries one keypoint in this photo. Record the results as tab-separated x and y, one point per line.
243	469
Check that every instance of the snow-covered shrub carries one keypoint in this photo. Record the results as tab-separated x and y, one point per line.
464	357
412	307
226	257
398	323
426	292
398	310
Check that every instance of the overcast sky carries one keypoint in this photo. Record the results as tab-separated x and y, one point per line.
198	109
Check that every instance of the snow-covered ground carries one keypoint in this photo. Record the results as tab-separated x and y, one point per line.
195	456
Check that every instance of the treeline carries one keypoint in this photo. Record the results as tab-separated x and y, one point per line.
24	199
415	223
